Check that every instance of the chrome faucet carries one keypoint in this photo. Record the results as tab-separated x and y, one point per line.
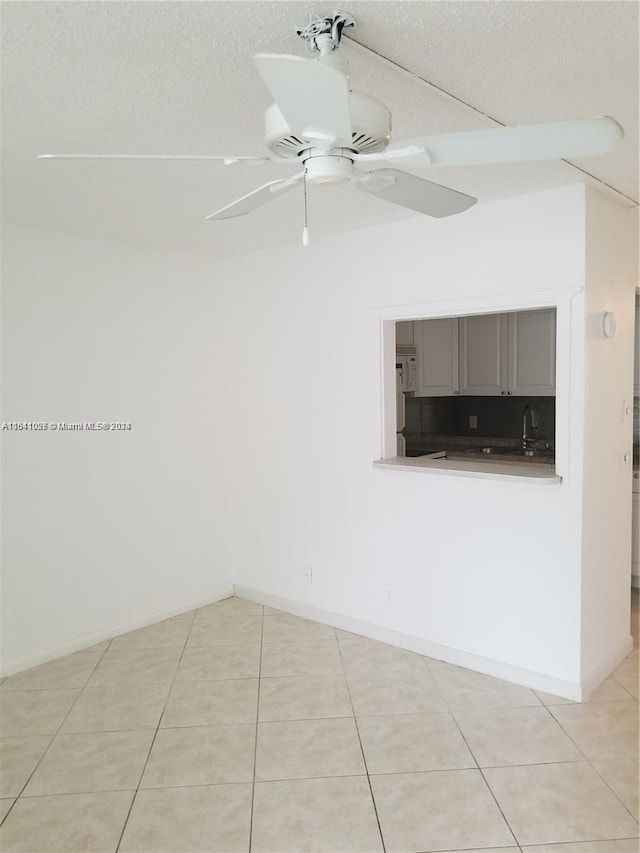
529	430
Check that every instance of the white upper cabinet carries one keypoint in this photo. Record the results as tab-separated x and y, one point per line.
437	342
483	355
636	353
532	353
404	333
508	354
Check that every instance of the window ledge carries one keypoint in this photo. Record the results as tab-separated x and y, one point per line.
514	472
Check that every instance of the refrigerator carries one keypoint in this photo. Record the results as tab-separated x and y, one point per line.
401	445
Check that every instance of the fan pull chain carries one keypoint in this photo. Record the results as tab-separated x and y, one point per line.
305	230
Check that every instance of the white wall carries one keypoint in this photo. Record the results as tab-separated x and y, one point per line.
103	531
489	568
611	279
281	350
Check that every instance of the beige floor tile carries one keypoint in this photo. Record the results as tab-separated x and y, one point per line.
136	666
85	763
302	749
232	607
627	673
19	757
315	815
547	803
621	775
432	811
210	631
168	634
371	656
210	663
271	611
75	823
505	736
409	743
205	703
624	845
609	730
304	698
70	671
34	712
203	755
211	818
609	691
406	692
466	690
293	629
319	657
5	805
117	708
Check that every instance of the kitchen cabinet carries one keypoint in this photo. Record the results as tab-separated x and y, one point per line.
483	355
404	333
508	354
635	535
531	358
636	353
437	343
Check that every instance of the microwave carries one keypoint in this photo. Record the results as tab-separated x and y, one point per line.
407	368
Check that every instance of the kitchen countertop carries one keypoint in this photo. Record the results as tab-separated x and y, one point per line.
513	471
545	457
466	459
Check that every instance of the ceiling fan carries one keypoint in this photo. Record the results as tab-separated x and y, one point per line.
335	134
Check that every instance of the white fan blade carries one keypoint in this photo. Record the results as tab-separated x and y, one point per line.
313	98
256	198
414	193
226	160
552	141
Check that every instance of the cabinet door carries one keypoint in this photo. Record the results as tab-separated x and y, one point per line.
532	353
635	536
483	357
636	353
437	342
404	333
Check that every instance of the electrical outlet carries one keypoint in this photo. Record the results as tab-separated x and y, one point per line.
390	595
473	422
308	574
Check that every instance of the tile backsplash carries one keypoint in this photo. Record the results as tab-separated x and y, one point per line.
498	417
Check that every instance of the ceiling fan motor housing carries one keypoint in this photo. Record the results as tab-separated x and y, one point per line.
370	129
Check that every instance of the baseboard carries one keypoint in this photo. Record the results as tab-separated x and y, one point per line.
497	669
604	669
107	634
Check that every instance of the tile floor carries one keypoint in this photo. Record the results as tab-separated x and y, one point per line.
240	728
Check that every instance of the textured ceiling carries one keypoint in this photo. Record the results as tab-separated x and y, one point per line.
177	78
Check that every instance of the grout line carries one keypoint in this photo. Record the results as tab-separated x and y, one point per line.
364	760
255	744
155	735
471	752
57	732
586	758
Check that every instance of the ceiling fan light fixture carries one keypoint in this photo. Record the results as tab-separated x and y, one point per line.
328	170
